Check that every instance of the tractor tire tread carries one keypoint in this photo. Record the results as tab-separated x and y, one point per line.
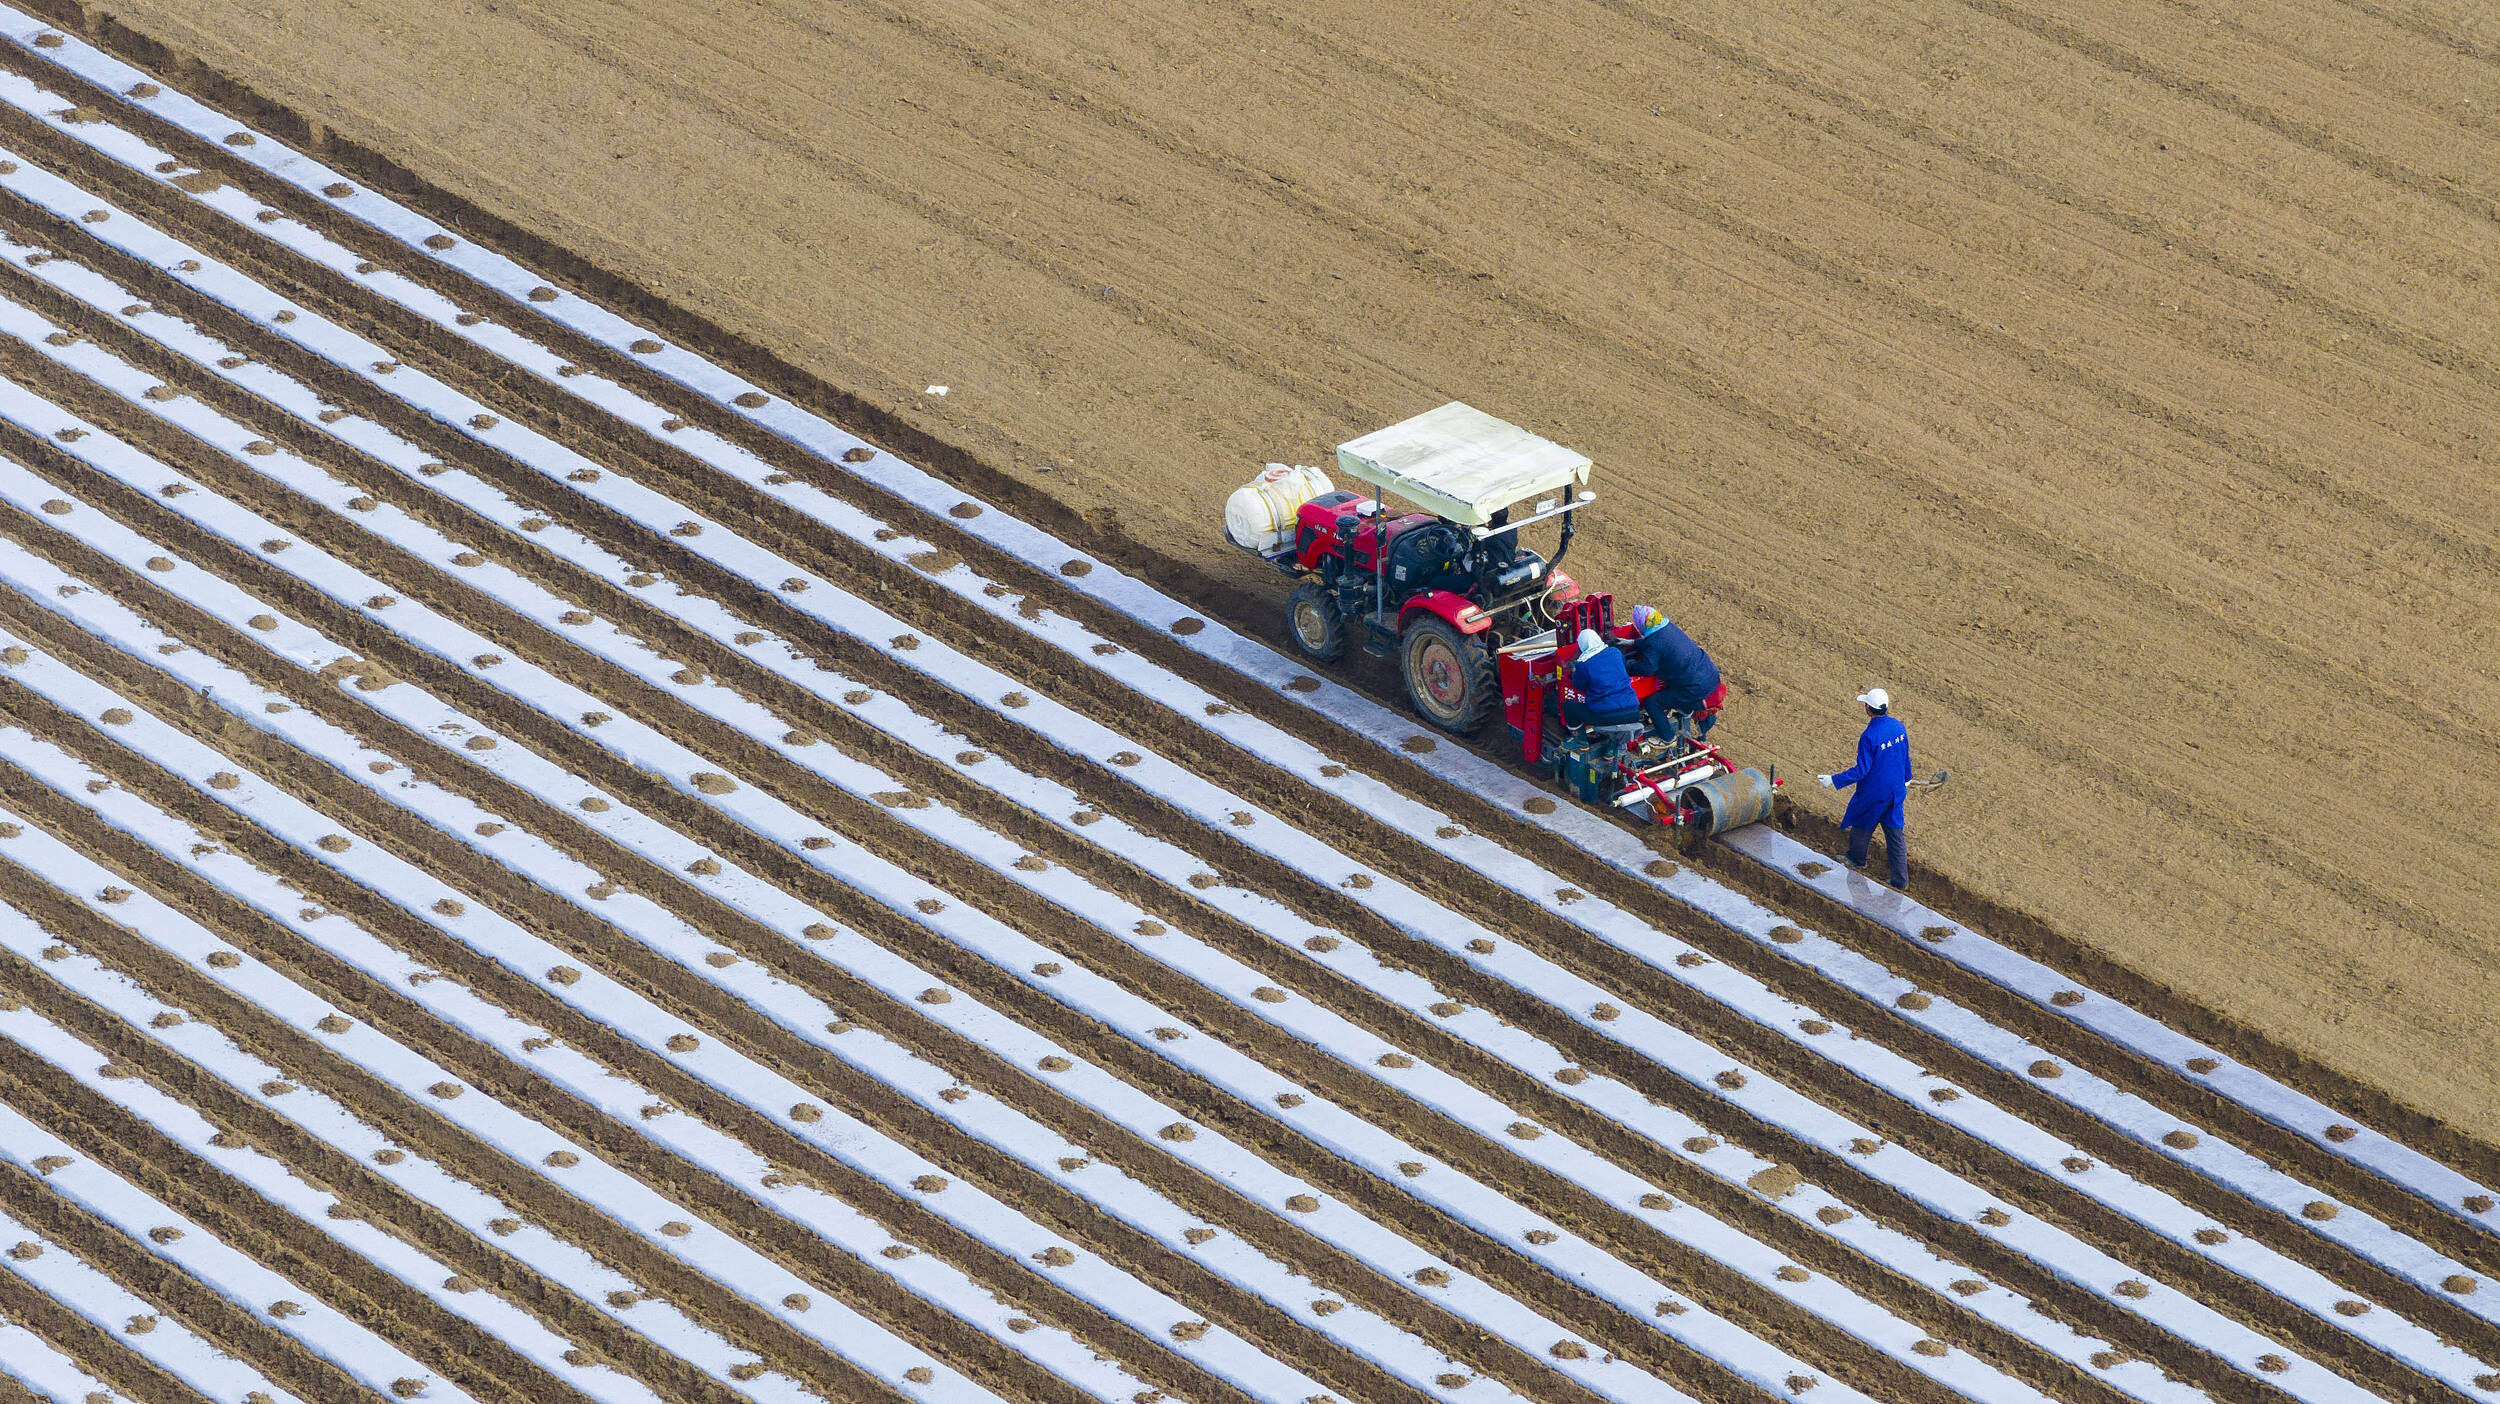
1332	634
1484	682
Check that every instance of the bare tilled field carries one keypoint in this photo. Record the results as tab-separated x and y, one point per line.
532	867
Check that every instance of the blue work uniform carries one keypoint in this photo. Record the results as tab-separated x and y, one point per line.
1686	676
1607	690
1882	778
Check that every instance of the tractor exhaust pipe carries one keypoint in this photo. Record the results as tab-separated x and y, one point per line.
1562	548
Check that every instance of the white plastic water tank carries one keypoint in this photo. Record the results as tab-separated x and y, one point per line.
1259	516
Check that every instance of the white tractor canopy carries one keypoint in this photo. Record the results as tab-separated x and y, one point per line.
1463	464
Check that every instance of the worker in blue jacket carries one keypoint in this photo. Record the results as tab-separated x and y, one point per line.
1882	778
1608	702
1688	682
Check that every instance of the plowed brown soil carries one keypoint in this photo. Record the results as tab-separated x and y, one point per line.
60	531
2113	381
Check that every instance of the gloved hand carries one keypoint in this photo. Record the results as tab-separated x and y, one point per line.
1827	782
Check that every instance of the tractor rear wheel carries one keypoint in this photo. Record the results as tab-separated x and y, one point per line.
1449	675
1317	625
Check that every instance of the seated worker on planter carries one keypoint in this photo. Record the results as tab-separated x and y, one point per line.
1610	705
1688	682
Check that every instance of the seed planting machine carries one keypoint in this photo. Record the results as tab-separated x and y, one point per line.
1476	619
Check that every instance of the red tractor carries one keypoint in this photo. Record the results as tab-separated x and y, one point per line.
1470	612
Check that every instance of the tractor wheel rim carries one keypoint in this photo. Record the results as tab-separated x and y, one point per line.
1308	623
1445	682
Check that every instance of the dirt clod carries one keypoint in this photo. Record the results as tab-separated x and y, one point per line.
1775	1181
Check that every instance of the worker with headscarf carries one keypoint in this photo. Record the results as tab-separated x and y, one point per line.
1607	700
1882	780
1689	686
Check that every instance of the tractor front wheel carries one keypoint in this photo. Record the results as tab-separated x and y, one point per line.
1449	675
1317	625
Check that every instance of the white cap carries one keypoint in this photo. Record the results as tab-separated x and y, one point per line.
1876	698
1589	642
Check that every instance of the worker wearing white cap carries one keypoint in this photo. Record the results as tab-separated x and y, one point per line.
1882	780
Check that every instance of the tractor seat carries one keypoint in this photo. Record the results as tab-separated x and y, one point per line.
1623	737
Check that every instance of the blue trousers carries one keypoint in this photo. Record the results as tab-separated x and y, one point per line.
1896	849
1668	722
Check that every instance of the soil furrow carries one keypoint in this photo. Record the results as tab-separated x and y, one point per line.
464	1354
283	1360
310	1064
678	725
83	1341
522	901
742	1026
226	242
1485	904
518	1086
2120	59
